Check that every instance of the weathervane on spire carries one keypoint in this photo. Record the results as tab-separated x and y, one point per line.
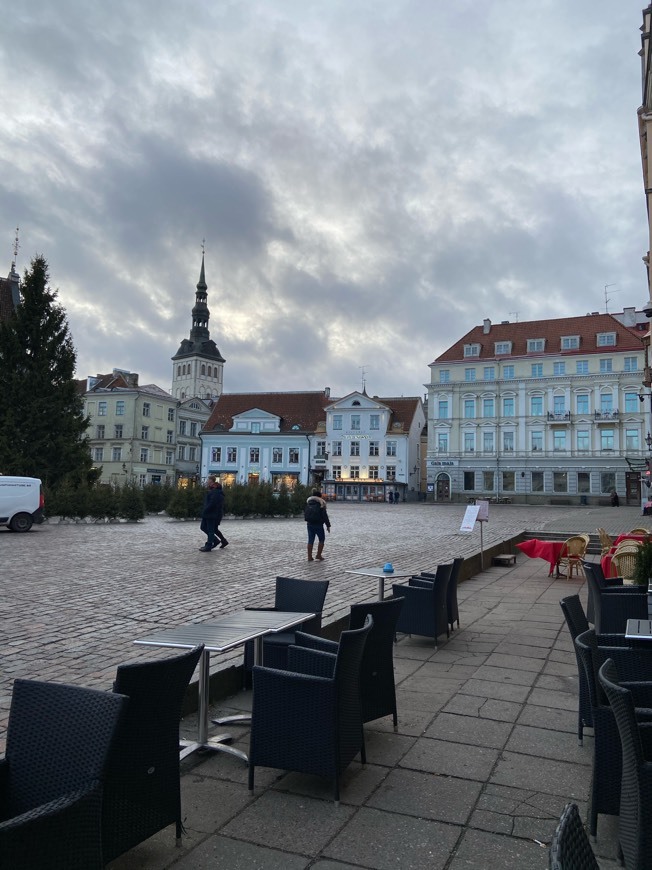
15	249
363	372
203	247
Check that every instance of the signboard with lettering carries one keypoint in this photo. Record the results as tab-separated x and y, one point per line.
470	516
483	513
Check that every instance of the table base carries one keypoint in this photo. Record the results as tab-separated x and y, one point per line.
218	743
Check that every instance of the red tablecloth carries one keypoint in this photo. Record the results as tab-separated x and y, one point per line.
550	551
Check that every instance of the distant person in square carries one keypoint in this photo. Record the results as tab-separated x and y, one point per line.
316	517
212	514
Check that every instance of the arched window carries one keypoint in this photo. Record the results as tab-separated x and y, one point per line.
209	372
203	369
178	371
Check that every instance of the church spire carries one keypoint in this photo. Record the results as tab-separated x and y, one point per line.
200	312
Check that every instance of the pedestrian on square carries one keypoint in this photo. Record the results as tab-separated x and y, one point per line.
390	497
212	514
316	517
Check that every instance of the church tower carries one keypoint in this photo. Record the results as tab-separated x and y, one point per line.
197	367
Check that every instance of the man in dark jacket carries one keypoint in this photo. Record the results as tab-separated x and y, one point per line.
316	517
211	516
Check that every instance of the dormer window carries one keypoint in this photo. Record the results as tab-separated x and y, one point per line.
606	339
471	350
536	345
501	347
570	342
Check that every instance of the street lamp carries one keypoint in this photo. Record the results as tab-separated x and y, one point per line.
648	441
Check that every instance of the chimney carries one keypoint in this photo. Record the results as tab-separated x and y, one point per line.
486	326
327	392
629	316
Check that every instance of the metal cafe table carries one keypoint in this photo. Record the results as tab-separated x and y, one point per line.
381	575
221	635
639	629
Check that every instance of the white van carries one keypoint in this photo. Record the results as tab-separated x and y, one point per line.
21	502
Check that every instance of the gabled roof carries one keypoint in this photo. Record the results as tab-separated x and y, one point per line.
304	410
586	328
403	409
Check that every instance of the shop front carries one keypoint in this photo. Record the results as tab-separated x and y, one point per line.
361	491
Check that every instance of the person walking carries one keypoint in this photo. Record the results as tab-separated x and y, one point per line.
316	517
212	514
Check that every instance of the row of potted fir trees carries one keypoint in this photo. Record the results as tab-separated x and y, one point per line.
104	503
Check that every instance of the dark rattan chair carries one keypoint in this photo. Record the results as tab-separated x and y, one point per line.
633	664
424	609
377	689
614	605
309	718
570	848
58	742
452	608
292	595
142	789
577	623
595	569
635	824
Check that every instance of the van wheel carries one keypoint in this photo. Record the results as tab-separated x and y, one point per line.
21	523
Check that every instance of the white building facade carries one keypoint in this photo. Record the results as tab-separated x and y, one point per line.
539	412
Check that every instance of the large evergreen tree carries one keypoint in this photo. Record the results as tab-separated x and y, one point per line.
42	421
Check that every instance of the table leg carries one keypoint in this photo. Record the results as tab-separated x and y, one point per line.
381	588
217	743
243	718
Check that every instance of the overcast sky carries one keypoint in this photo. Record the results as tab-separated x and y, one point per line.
372	177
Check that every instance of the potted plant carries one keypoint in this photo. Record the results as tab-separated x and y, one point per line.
643	569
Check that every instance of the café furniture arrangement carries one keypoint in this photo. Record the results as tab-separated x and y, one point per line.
452	608
377	688
635	815
222	635
424	611
612	606
382	575
577	622
308	718
571	555
58	743
549	551
291	595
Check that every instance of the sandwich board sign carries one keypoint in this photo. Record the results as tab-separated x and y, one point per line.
470	516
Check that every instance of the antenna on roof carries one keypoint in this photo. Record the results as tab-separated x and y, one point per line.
363	372
514	314
15	250
607	299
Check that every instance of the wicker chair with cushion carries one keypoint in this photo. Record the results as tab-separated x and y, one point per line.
291	595
424	611
635	823
142	792
570	848
571	555
639	531
633	663
377	689
308	718
614	605
58	742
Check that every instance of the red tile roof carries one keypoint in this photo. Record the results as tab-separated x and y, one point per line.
304	410
586	328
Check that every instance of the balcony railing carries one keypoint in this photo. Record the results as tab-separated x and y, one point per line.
606	415
559	416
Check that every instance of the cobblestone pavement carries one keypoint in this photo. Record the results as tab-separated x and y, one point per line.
75	595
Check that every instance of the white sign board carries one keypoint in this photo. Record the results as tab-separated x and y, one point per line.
470	516
483	513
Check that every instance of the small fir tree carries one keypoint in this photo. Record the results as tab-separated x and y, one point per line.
42	414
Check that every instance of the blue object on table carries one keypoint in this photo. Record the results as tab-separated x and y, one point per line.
388	568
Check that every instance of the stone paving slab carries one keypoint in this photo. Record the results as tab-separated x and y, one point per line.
486	752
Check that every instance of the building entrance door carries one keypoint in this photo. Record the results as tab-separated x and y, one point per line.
443	489
632	487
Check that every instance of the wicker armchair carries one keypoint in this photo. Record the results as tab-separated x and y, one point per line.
639	531
377	689
633	663
570	848
424	611
624	562
452	608
606	542
58	742
614	605
635	823
292	595
572	553
595	570
142	791
309	719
